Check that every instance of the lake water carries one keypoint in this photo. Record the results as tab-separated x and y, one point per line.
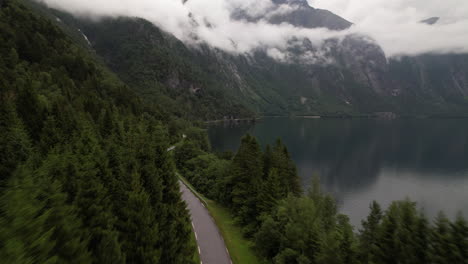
361	160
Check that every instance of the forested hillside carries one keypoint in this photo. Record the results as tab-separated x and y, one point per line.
85	175
157	66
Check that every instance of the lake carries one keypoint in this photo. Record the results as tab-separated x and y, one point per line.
361	160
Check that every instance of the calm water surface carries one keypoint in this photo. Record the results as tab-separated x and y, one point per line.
360	160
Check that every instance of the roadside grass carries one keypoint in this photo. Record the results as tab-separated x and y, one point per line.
196	255
240	249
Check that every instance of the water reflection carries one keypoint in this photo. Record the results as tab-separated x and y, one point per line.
360	160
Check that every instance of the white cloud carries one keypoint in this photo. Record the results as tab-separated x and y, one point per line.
395	24
213	21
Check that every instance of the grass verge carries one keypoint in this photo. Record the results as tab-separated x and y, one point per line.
196	256
240	249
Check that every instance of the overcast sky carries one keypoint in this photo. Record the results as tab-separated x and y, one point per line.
392	23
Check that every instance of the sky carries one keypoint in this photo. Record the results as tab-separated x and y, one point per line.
393	24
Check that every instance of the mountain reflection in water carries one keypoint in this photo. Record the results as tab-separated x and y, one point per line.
360	160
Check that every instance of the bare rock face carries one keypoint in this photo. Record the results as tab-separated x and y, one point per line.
367	61
308	17
431	20
357	54
301	14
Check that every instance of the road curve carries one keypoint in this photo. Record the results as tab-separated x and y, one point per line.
210	243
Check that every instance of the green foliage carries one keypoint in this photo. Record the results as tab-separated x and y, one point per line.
246	178
85	175
160	68
368	235
287	227
37	224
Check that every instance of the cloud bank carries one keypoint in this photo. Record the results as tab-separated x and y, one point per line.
206	21
393	24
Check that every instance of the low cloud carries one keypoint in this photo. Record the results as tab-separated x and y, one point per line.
208	21
396	26
393	24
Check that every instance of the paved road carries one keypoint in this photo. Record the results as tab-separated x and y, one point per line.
210	243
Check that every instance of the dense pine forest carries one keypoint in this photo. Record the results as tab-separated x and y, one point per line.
85	175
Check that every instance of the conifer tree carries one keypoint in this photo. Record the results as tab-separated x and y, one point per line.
270	192
368	234
421	238
37	226
15	146
442	248
246	178
267	161
388	252
459	230
139	232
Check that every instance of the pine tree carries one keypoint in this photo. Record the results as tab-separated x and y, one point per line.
442	247
281	160
270	193
387	237
139	232
294	181
459	231
315	192
15	146
421	238
246	178
267	161
37	226
368	234
30	109
347	241
406	232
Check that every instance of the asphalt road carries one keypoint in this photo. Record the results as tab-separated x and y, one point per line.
210	243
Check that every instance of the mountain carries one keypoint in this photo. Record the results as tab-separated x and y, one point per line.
300	14
351	76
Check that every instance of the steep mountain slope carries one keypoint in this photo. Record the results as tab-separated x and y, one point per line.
348	76
300	14
435	84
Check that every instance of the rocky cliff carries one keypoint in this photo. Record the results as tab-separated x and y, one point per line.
345	76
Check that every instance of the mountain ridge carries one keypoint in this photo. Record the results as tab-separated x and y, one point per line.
358	78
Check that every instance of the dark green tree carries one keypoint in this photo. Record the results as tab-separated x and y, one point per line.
139	232
459	230
37	226
368	238
246	178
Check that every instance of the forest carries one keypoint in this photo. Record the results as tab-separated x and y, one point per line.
85	176
292	226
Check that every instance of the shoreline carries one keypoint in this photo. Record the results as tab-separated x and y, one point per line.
235	120
363	116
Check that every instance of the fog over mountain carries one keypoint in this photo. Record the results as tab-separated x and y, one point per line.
395	26
198	21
